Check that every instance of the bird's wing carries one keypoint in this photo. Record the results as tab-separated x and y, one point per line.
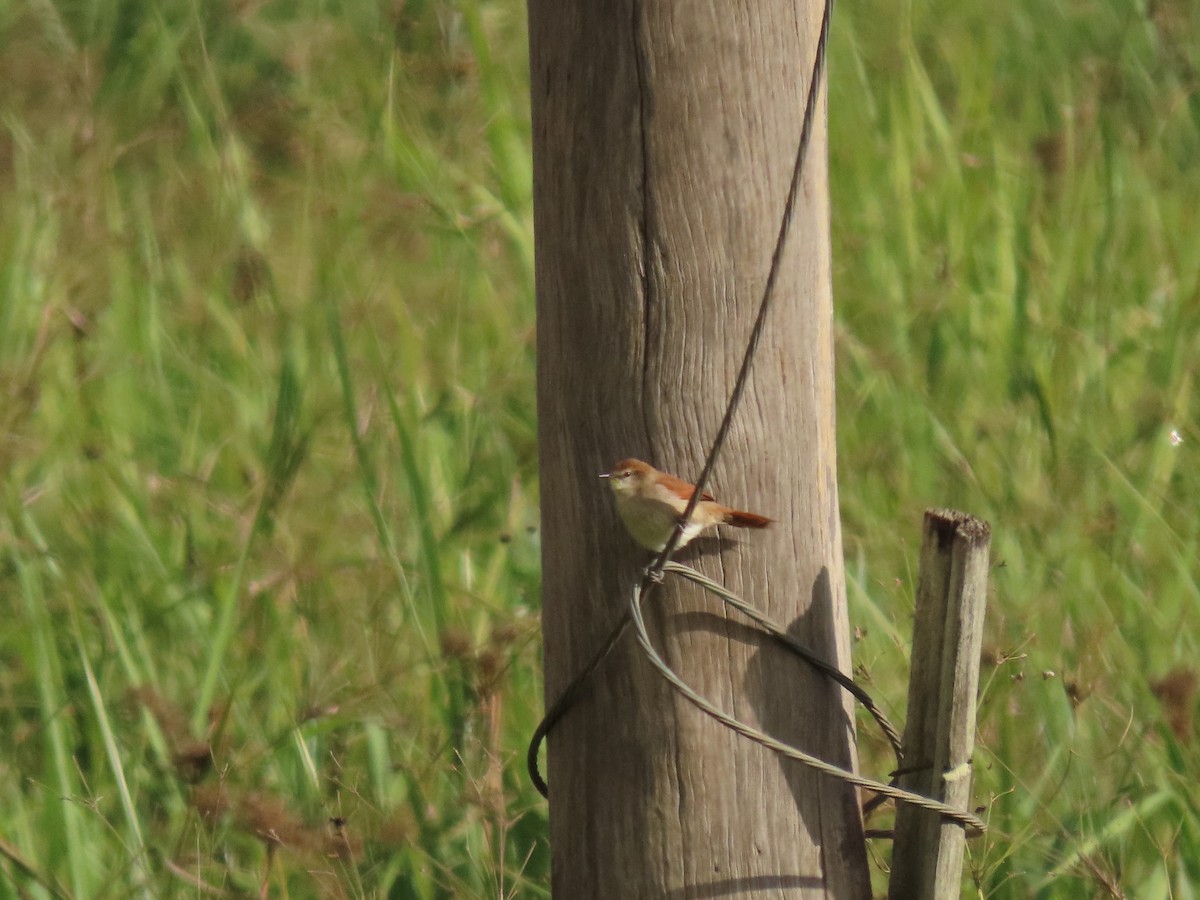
680	486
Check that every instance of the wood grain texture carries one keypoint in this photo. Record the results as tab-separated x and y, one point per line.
664	139
939	736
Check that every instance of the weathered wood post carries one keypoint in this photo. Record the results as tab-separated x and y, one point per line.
664	137
939	736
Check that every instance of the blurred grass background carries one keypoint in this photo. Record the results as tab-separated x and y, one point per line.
268	502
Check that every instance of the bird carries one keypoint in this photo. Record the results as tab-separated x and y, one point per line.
650	503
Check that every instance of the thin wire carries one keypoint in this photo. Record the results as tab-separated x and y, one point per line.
564	702
821	665
969	821
567	699
569	696
654	573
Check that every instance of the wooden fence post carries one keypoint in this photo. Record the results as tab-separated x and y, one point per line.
939	736
665	137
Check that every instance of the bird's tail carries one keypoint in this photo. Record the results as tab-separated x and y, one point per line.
740	519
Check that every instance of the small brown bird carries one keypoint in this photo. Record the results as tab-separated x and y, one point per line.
650	503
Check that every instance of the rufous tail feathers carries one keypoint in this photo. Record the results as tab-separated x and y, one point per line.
740	519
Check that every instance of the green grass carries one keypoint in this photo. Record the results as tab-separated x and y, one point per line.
269	454
1018	283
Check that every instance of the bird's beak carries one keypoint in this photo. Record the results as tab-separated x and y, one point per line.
605	475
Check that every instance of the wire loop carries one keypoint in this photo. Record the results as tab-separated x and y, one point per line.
633	614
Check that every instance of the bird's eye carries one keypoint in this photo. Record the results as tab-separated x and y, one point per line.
627	473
